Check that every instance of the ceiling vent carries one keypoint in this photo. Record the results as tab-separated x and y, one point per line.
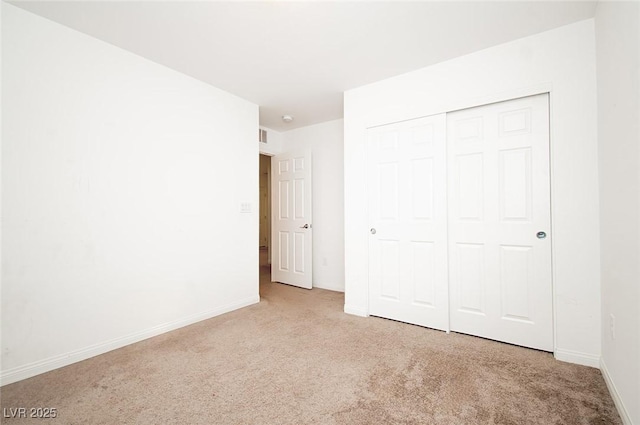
262	135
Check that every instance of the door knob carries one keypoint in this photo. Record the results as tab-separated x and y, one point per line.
373	231
541	235
306	226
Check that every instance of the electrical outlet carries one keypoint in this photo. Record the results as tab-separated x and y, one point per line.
612	326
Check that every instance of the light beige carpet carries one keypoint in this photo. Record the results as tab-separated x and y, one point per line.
296	358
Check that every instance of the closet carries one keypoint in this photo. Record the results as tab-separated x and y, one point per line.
459	210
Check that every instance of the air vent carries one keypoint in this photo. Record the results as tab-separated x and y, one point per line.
262	135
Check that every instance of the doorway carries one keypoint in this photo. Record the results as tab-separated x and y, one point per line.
264	241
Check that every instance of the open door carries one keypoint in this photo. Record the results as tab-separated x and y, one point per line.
292	235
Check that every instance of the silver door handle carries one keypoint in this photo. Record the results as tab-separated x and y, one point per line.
306	226
541	235
373	231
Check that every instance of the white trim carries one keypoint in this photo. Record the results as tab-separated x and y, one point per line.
264	152
552	215
336	288
355	311
32	369
577	357
617	400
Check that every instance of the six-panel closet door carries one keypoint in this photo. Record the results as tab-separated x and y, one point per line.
408	218
459	208
499	222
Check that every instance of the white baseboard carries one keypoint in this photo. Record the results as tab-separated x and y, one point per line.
622	410
577	357
335	288
36	368
355	311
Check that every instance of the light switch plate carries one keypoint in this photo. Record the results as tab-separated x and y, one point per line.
245	207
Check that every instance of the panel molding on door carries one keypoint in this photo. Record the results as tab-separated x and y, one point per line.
500	274
292	236
407	216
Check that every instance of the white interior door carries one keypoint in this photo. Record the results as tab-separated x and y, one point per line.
499	201
291	261
408	220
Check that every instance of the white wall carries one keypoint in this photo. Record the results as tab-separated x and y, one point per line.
560	61
121	185
274	142
326	144
618	66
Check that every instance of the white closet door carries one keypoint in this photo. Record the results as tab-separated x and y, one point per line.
499	201
407	209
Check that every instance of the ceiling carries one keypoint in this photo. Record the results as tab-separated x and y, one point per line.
297	58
